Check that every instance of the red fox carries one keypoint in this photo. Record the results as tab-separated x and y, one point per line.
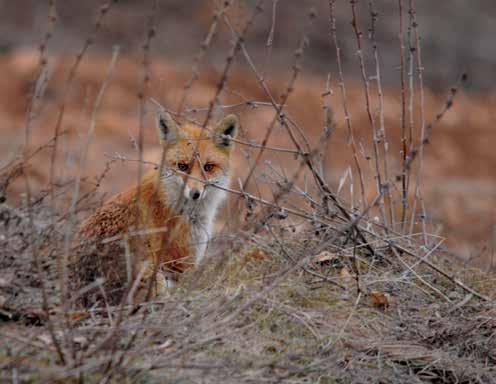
160	227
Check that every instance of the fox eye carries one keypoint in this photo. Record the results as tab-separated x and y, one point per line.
209	167
182	166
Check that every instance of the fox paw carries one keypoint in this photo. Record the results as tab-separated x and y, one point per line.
164	281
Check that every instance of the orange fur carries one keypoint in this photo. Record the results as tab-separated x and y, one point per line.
157	227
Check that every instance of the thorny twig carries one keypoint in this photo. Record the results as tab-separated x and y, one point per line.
37	93
347	116
404	189
375	138
420	171
67	88
203	50
415	152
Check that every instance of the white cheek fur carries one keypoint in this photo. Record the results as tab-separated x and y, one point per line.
200	213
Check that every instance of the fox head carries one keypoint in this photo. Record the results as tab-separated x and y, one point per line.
196	159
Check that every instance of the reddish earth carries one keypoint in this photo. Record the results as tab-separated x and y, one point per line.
460	161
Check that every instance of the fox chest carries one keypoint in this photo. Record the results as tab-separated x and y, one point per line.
179	246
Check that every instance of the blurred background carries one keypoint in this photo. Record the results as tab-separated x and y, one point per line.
456	37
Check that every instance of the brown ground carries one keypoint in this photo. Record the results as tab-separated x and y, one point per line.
460	163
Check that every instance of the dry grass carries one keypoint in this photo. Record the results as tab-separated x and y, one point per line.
253	315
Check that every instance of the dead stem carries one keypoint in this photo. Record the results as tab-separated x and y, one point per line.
347	117
375	139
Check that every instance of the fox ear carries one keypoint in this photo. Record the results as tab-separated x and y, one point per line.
167	128
225	131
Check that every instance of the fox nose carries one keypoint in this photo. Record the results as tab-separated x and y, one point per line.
194	194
